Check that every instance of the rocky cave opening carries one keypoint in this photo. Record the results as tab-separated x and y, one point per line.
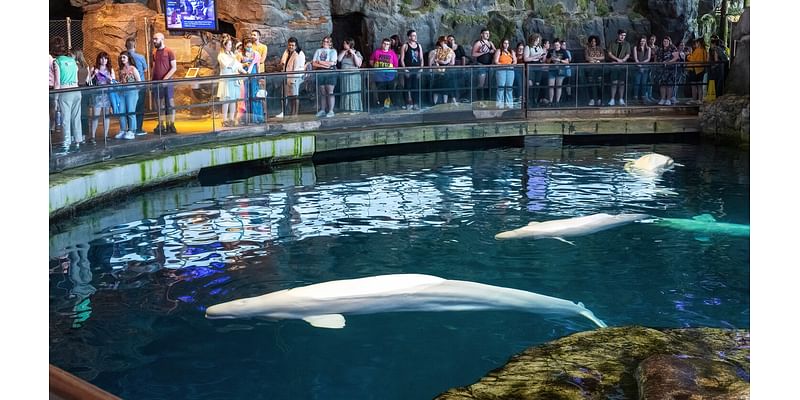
353	25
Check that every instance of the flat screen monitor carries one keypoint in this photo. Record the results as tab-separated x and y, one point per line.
191	15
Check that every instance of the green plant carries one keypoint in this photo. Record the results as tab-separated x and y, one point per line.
602	7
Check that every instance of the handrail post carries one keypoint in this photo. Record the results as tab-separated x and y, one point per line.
69	33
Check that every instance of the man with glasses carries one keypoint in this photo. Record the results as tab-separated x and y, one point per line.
163	67
618	52
386	59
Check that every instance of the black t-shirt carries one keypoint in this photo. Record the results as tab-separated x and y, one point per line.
460	53
558	54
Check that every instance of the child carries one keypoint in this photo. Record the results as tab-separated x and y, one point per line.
261	94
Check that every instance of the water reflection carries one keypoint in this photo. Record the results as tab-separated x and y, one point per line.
128	280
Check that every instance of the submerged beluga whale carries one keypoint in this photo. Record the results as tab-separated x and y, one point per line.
323	304
704	224
652	164
561	229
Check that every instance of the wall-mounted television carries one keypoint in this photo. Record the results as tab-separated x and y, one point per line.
191	15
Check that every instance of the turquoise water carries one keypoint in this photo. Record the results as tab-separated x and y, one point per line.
129	282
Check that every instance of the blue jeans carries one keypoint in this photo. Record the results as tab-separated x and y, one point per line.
640	85
256	108
127	109
505	86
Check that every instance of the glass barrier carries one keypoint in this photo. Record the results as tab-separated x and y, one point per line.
93	117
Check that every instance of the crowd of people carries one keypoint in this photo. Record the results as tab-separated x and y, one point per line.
655	71
647	65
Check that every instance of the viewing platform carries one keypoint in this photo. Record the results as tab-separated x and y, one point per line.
103	166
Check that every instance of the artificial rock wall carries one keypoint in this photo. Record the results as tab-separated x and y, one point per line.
107	23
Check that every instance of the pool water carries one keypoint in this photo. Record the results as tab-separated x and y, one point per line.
129	282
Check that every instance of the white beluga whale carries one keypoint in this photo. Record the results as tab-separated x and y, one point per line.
323	304
651	164
561	229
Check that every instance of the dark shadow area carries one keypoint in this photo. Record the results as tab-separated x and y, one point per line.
618	139
364	153
228	173
353	25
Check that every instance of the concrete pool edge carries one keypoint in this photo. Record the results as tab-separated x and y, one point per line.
89	184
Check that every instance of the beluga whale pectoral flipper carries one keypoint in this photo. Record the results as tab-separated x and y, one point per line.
324	304
560	229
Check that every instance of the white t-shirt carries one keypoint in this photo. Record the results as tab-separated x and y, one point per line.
537	52
326	55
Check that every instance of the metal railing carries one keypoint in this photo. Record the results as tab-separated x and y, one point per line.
94	116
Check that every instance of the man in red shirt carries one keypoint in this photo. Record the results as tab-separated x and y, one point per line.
162	68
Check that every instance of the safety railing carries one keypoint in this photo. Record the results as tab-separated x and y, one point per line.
110	115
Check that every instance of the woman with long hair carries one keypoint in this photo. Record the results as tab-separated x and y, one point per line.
641	56
229	90
350	84
127	107
594	54
102	74
505	55
666	55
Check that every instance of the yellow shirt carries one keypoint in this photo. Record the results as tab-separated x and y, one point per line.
261	48
699	54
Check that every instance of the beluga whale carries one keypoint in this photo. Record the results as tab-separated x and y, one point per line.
652	164
561	229
704	224
323	304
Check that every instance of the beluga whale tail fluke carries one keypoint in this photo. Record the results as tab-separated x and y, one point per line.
704	224
560	229
324	304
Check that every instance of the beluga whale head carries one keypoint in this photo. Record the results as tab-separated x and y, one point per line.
652	164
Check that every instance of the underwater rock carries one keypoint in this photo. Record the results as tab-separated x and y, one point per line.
667	377
602	364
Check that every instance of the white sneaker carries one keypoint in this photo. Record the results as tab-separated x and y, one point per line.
129	135
140	133
120	135
321	114
621	102
279	115
661	102
674	100
330	114
611	102
591	102
667	103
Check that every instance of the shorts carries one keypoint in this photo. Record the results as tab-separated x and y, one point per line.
555	71
166	92
326	79
292	87
695	77
617	74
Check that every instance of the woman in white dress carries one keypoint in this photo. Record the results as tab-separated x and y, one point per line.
229	90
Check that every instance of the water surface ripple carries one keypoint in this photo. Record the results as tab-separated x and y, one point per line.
129	283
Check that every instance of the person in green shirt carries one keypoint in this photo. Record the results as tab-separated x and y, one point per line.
618	52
